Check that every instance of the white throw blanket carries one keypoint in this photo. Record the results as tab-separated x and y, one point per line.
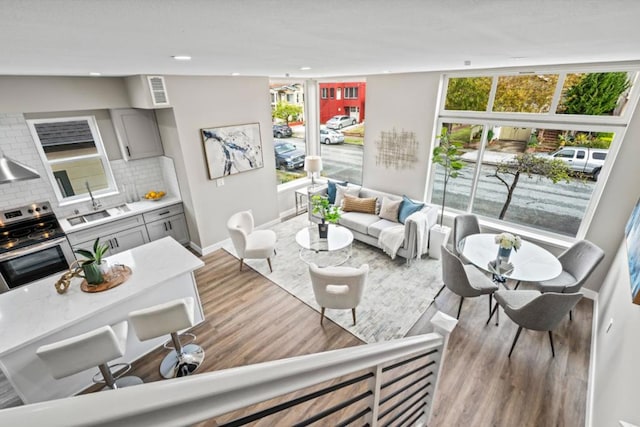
392	238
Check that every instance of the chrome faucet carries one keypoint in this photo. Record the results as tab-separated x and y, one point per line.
96	204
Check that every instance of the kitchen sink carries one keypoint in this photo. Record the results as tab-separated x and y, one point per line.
88	217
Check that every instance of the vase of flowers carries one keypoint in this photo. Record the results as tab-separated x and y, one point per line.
506	242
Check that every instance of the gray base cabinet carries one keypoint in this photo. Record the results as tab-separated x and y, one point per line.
169	221
119	235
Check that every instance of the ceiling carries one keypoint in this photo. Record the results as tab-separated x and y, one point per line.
276	38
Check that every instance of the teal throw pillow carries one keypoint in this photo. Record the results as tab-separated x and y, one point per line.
331	190
407	207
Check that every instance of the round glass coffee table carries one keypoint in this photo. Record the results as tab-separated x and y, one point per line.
334	250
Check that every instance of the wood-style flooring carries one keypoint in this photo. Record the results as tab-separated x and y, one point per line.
249	320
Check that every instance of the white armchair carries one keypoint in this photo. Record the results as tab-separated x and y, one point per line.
338	287
250	243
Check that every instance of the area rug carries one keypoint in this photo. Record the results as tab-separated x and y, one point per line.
395	294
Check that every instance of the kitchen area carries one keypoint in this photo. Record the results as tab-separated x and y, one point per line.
67	179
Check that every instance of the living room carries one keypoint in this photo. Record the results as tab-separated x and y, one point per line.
198	102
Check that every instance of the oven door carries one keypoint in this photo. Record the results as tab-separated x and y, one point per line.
33	263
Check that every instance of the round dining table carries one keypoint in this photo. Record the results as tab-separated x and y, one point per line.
530	263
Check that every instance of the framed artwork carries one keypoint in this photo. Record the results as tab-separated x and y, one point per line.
632	233
232	149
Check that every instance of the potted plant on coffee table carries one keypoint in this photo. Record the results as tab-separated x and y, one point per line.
320	206
94	266
447	155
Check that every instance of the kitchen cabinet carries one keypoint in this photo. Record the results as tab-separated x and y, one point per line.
169	221
119	235
137	132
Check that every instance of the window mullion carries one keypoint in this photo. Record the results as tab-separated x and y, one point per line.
557	94
492	94
476	174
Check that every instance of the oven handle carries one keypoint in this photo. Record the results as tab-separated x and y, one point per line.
33	248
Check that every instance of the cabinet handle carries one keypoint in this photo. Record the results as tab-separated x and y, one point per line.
164	213
116	240
170	227
165	226
110	244
128	152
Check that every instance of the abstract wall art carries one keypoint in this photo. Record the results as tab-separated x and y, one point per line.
398	150
232	149
632	233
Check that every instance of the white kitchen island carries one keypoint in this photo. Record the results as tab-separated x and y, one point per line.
36	314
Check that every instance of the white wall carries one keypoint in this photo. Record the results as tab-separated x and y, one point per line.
617	354
402	102
204	102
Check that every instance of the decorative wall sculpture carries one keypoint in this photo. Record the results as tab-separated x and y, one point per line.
632	233
232	149
397	149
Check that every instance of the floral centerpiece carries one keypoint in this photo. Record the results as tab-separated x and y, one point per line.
506	242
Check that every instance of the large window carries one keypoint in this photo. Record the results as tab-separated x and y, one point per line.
72	151
289	145
526	161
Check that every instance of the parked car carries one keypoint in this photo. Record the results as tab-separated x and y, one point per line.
328	136
338	122
585	160
288	157
282	131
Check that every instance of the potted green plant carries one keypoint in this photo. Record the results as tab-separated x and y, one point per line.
94	266
320	206
447	155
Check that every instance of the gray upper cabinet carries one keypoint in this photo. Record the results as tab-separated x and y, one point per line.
137	132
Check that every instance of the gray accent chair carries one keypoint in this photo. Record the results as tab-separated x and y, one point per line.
535	310
463	226
465	280
578	262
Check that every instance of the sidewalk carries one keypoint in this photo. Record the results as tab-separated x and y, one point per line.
490	157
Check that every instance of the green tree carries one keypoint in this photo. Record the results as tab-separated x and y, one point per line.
447	155
596	94
525	94
508	172
468	93
284	111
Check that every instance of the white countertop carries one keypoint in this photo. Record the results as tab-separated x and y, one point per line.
135	208
36	310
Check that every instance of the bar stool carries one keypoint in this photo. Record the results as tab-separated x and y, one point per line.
93	348
167	319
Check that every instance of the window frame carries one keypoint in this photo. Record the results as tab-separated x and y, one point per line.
488	118
101	154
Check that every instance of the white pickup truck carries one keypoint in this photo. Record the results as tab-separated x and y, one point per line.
588	161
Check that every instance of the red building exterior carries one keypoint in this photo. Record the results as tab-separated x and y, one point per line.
342	99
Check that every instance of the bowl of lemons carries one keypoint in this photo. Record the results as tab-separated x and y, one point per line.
154	195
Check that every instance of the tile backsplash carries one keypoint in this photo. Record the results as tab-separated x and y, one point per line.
155	173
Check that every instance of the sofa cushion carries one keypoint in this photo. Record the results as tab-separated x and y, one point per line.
358	221
389	209
341	190
377	227
357	204
331	189
407	207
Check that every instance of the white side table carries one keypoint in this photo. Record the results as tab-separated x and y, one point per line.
302	196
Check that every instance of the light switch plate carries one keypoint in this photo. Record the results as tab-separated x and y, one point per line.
220	182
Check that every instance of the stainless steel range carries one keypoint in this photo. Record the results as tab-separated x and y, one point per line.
32	245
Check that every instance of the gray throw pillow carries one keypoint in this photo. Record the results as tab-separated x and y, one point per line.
389	209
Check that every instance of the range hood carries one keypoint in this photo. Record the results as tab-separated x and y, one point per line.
11	171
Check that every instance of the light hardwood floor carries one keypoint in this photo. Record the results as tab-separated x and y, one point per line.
249	320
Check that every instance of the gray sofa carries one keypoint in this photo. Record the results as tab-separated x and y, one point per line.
367	227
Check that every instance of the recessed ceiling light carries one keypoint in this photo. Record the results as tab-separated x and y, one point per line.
385	72
94	74
181	57
305	68
235	74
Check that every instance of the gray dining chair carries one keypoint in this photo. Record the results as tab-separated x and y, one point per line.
465	280
464	225
535	310
578	262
